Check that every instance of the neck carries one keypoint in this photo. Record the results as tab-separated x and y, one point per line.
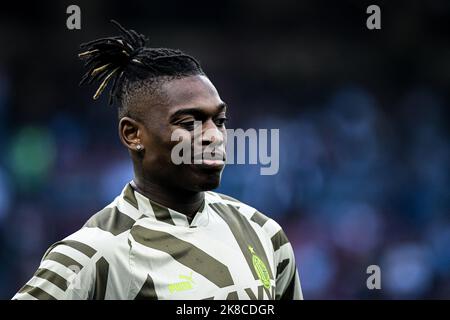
185	202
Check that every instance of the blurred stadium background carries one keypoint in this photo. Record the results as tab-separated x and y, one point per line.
363	117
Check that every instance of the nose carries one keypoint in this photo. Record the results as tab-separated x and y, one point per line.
211	134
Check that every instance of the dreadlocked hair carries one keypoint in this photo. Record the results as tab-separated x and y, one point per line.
124	60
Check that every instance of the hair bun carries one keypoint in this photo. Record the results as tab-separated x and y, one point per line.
106	58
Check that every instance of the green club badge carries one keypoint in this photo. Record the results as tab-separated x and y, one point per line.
260	268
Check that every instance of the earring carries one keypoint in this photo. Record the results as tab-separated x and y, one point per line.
139	147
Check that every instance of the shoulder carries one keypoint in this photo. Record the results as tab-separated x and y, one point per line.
104	235
80	266
257	219
85	258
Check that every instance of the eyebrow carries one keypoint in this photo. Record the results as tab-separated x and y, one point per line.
195	111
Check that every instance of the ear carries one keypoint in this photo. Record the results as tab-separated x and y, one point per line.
131	134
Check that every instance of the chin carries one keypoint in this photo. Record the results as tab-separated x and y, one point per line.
209	186
209	182
200	180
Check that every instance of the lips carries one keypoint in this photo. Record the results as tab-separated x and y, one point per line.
213	156
214	160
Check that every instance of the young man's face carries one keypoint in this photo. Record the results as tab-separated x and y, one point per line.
186	100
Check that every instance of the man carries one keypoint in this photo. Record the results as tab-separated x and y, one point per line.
166	236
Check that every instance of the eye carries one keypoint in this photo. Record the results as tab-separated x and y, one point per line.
221	122
188	125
